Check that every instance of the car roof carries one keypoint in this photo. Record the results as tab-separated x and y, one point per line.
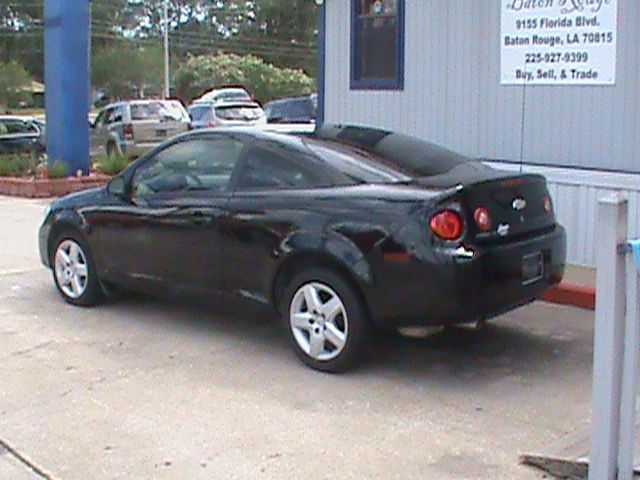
290	99
224	103
143	101
17	117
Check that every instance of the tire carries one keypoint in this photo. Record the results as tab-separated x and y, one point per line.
74	271
331	336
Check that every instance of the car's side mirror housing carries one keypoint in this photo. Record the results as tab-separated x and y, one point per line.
117	187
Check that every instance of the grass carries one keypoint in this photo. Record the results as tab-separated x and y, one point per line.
18	165
111	165
57	170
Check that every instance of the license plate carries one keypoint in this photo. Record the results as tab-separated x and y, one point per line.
161	133
532	268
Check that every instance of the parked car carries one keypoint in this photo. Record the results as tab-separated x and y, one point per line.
292	110
134	127
225	114
226	94
346	230
21	135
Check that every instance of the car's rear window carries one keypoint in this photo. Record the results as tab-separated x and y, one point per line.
238	112
157	111
407	156
358	165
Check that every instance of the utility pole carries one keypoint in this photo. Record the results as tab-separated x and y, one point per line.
167	85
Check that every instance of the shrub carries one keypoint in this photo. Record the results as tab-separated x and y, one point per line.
112	165
17	165
57	170
264	80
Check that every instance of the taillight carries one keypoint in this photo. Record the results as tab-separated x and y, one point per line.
483	219
128	132
548	204
447	225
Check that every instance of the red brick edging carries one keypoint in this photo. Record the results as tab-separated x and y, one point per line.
575	295
41	188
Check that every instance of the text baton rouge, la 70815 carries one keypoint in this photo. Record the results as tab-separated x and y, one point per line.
559	42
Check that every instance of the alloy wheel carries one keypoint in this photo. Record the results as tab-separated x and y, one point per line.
71	269
318	320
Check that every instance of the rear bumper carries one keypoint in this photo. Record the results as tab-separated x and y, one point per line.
474	284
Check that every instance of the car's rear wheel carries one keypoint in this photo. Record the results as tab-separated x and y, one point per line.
326	321
74	271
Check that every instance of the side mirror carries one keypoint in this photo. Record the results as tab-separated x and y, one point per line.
116	187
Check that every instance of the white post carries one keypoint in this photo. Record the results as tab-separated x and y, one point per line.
608	338
167	85
630	374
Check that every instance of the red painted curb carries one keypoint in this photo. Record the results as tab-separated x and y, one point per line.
41	188
575	295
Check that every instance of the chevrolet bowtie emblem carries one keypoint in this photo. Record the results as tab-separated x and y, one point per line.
519	204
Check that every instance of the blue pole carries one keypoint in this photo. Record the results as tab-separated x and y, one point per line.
322	45
67	82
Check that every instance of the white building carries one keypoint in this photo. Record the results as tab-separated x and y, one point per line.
553	85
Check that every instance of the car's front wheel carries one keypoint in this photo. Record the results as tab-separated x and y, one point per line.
74	272
326	321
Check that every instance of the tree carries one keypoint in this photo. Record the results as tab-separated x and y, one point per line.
14	79
264	80
126	71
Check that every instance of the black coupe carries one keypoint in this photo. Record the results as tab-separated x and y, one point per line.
343	231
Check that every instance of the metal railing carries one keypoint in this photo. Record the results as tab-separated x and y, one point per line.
616	345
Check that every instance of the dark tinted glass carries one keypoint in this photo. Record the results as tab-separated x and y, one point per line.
376	36
266	169
197	164
199	113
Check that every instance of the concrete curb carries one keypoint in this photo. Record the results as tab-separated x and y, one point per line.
574	295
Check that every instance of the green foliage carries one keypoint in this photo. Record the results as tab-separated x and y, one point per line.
127	72
57	170
13	80
18	165
112	165
264	80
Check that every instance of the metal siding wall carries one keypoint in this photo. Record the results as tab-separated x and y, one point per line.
453	94
575	195
453	97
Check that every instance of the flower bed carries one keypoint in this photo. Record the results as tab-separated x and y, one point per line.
46	188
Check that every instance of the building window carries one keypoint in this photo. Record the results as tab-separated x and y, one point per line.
377	44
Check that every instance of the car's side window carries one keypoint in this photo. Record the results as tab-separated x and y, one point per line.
266	169
17	127
99	122
115	115
201	164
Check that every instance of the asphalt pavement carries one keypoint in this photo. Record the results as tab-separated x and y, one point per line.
142	388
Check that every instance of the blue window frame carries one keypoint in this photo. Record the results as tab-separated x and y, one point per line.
377	44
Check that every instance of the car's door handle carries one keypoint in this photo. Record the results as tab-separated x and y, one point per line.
205	216
199	217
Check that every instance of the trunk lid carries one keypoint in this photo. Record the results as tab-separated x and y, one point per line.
516	203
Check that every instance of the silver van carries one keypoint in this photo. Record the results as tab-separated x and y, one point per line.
134	127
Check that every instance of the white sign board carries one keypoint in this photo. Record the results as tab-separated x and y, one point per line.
559	42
